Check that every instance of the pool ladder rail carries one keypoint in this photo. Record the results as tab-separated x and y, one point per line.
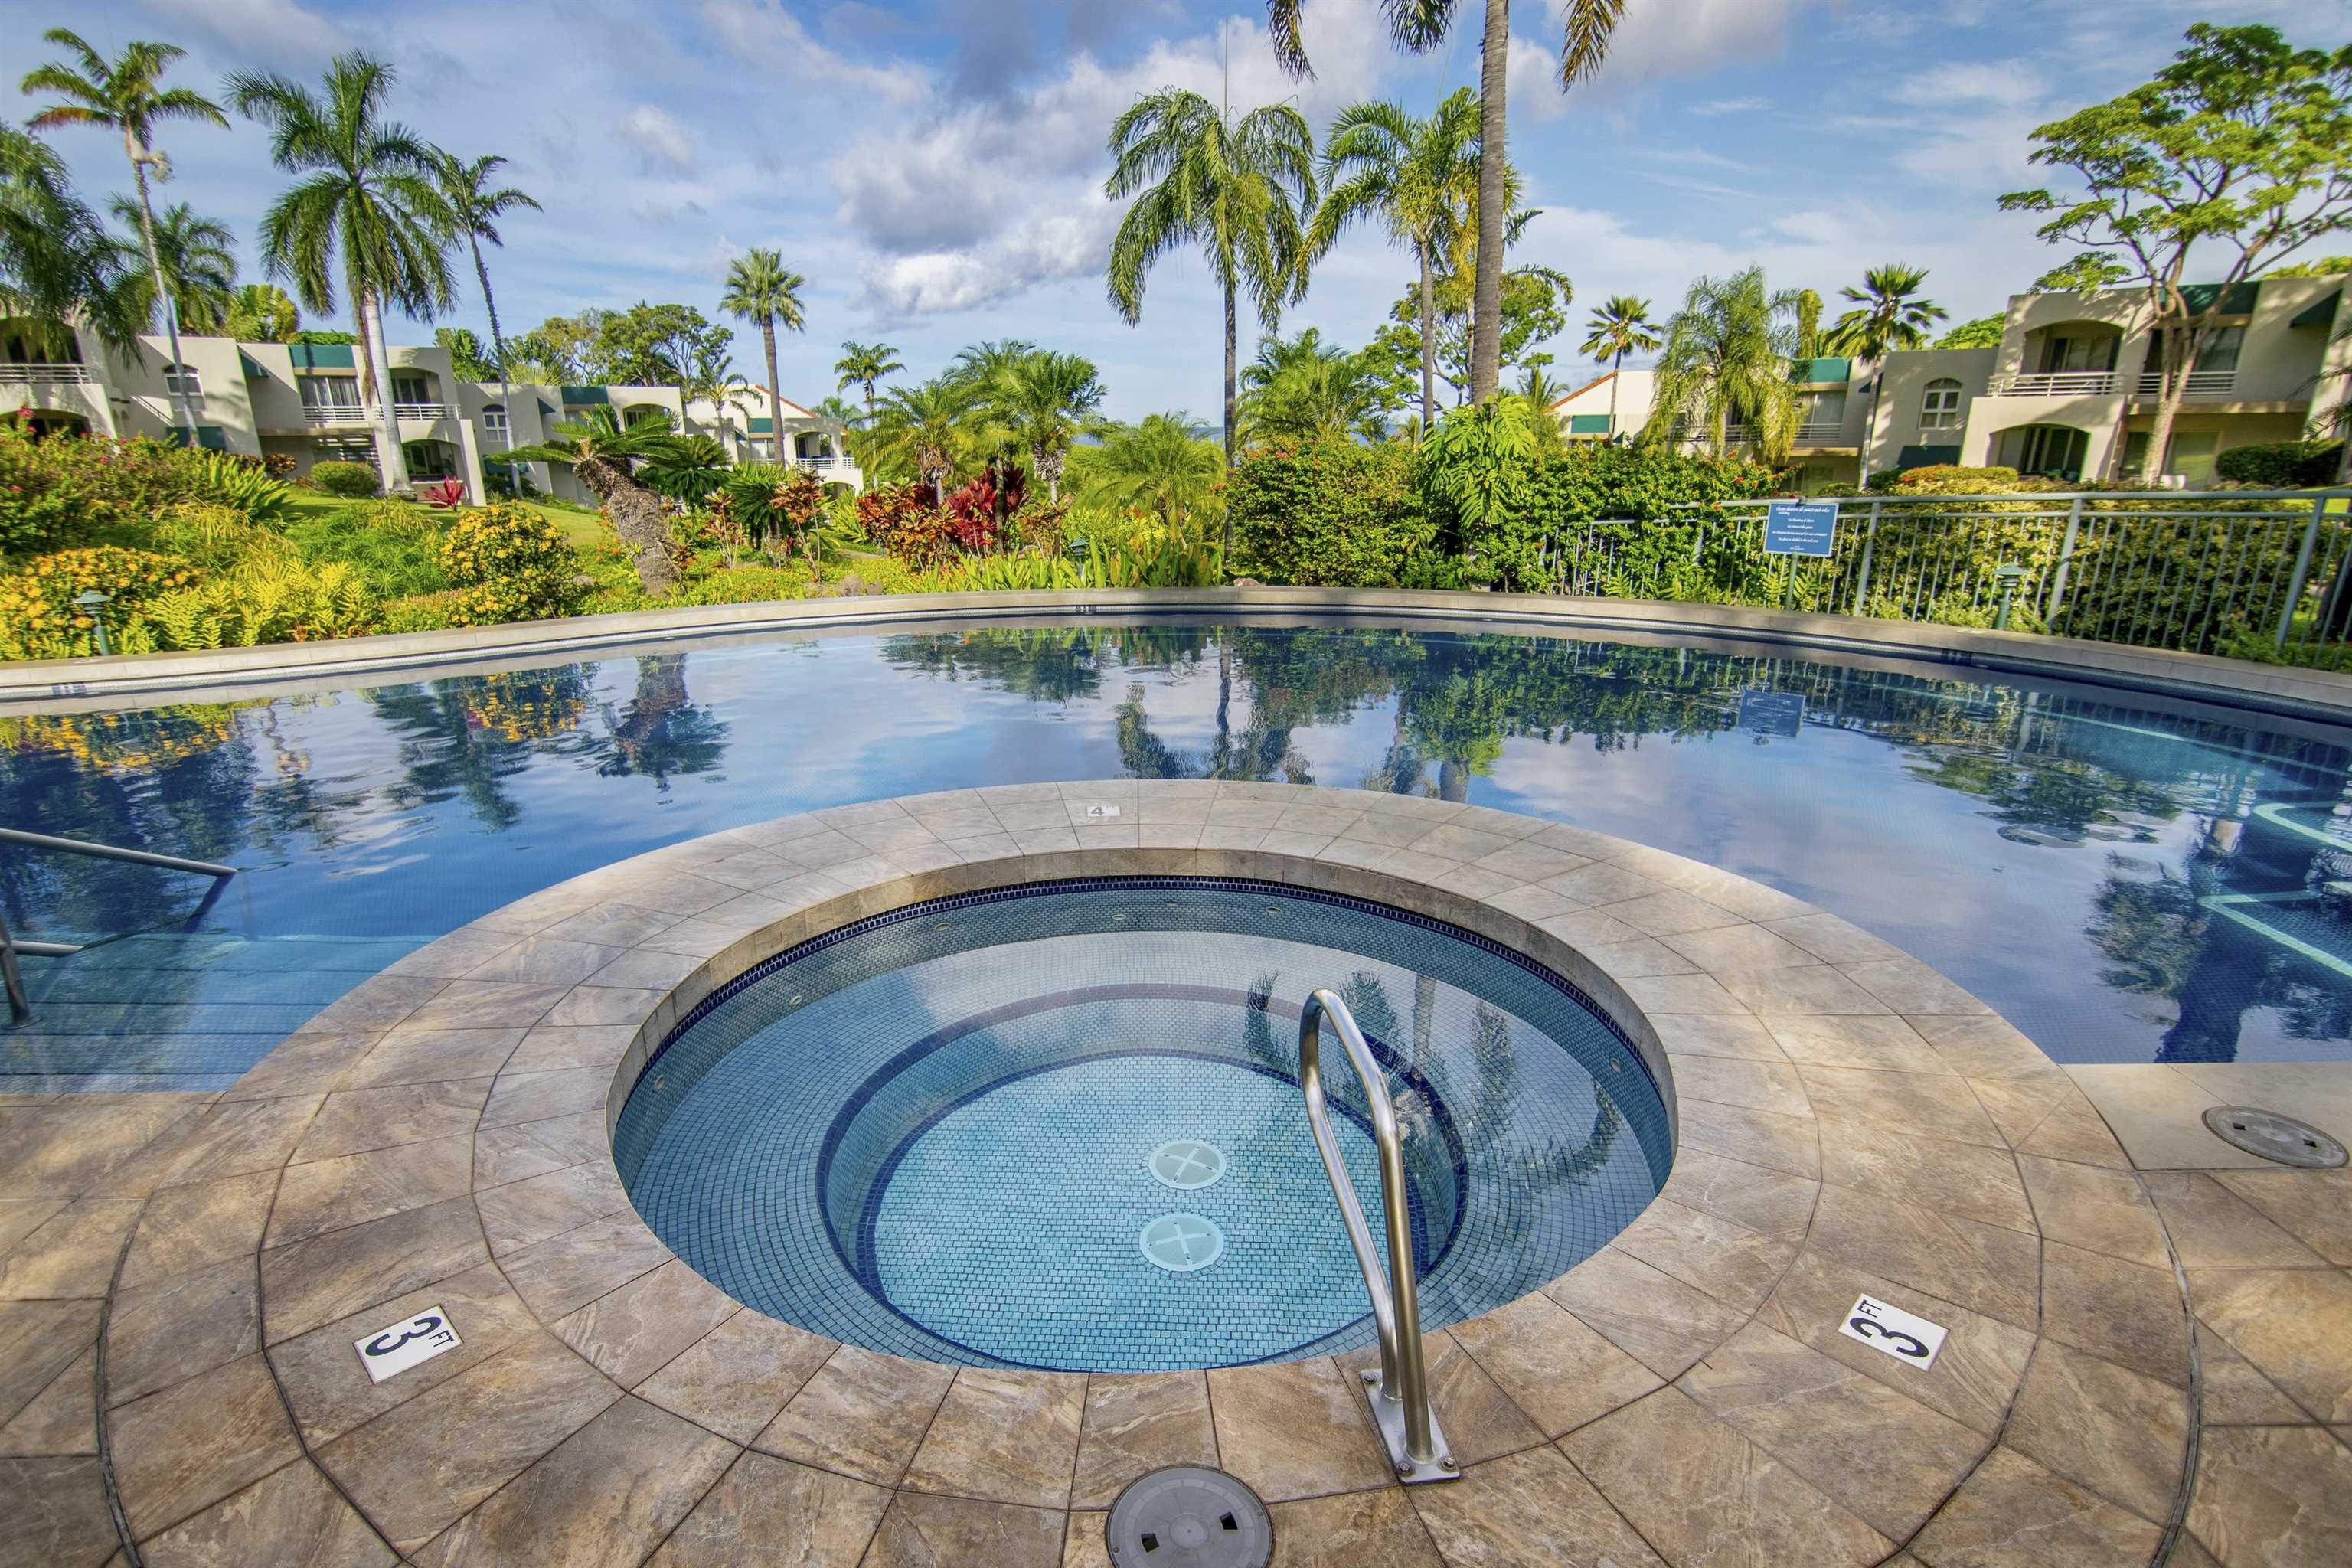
20	1007
1400	1391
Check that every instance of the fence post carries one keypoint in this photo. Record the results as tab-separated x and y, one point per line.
1861	581
2065	559
2302	569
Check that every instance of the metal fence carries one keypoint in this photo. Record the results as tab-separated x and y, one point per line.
2203	571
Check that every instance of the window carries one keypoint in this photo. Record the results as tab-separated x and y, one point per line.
2078	353
326	392
1939	407
411	389
2192	456
2135	455
2222	348
764	452
494	420
429	460
2052	451
182	381
1818	409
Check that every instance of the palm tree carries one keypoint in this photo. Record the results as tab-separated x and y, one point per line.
197	258
1420	177
1161	466
1302	390
984	365
1887	315
125	95
474	207
925	426
1621	326
369	193
708	379
863	365
1419	25
1242	190
57	264
604	454
1047	401
761	288
1727	363
261	312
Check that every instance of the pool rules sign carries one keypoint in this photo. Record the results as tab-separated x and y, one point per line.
406	1343
1800	528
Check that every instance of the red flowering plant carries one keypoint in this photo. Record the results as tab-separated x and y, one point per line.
442	494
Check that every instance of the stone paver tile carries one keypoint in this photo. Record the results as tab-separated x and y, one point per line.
2118	1310
923	1530
38	1340
1138	1422
330	1390
507	1154
1596	931
1592	886
204	1222
1294	1430
862	1415
303	1064
1551	1364
544	960
769	1510
2103	1427
19	1217
551	1048
2101	1210
616	1006
1353	1529
357	1121
2233	1393
2012	1513
449	957
736	1378
1880	1041
646	1324
2072	1131
341	1271
1741	1035
2212	1227
1005	1436
1936	1104
1698	1491
2157	1113
1741	895
1975	1375
536	1096
1529	1510
1532	862
2312	1206
290	1518
479	1004
1727	1261
195	1443
1728	1080
1762	1200
1658	1320
352	1189
1984	1045
419	1467
630	924
1453	842
566	1272
2019	1106
1724	947
1777	1143
55	1513
61	1416
1479	1418
1814	988
1655	994
1833	939
520	1213
1636	958
2273	1497
423	1056
59	1151
1968	1179
1907	985
1082	1545
224	1141
176	1327
2293	1324
1671	913
377	1003
71	1253
1985	1267
602	1497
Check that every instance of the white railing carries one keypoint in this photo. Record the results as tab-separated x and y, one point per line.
24	374
334	414
2054	384
420	410
1819	432
818	465
2200	384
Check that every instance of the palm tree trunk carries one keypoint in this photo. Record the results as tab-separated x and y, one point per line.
1233	400
179	399
1428	338
1486	302
1616	374
395	478
1870	428
637	515
775	403
497	347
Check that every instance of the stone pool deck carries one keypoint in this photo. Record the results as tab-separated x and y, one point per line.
2150	1336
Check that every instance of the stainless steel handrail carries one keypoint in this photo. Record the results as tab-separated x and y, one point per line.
1400	1395
109	852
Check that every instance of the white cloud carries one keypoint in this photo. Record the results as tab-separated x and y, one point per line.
766	35
280	32
1723	106
658	136
1037	250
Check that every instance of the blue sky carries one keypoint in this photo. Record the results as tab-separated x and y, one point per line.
934	167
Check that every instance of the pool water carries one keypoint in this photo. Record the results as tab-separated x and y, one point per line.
2068	853
934	1134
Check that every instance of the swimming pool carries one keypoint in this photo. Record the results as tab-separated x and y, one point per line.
2108	871
1060	1126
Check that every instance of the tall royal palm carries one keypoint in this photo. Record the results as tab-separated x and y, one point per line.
1419	177
1888	314
1725	362
1046	401
1621	326
474	203
367	193
761	288
126	94
1242	190
1419	25
197	257
862	365
924	427
57	264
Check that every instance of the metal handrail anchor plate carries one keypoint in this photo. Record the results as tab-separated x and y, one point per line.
1400	1391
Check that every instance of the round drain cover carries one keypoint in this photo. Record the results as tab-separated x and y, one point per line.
1188	1517
1186	1163
2274	1137
1180	1243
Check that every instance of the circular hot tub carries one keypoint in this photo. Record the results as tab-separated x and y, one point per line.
1059	1125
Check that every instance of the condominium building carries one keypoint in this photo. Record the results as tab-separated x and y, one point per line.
2072	375
305	402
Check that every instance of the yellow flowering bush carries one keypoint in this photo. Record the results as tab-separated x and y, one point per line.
38	617
509	563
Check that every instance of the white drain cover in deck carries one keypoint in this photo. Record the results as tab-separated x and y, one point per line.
1179	1243
1186	1164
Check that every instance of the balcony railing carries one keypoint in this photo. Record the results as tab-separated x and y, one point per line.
420	410
2054	384
334	414
25	374
2200	384
822	465
1813	433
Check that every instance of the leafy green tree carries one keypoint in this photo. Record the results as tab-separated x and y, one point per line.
864	365
1809	324
984	365
1621	326
1046	401
126	94
57	264
840	410
1983	332
654	346
261	314
1418	177
1726	361
2240	149
1419	25
2325	266
560	351
924	427
2084	274
1242	190
366	192
1888	314
1328	514
604	454
474	205
467	360
1161	466
1535	311
761	288
197	257
1477	474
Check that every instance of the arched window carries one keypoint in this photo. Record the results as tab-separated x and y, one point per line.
181	380
494	418
1939	407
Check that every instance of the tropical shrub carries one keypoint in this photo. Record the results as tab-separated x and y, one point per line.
267	599
977	510
1590	481
886	510
442	495
353	481
1328	514
923	541
38	617
396	548
210	536
235	482
67	490
2282	465
1476	475
510	564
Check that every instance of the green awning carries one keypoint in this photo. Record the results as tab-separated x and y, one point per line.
1815	369
761	424
322	356
2240	301
1588	425
2321	313
253	371
586	394
545	412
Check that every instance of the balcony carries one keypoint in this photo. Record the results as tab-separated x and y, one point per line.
1820	433
16	373
2054	384
320	414
2200	384
420	411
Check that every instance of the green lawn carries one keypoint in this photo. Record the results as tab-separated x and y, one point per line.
581	531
